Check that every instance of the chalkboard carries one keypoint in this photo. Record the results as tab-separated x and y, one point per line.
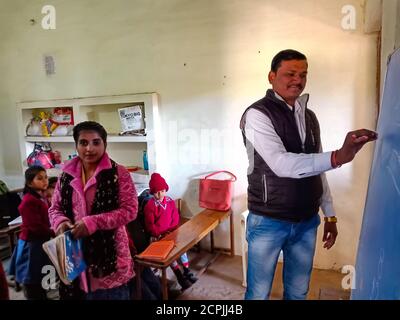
377	273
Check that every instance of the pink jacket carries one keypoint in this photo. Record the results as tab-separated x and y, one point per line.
160	217
82	200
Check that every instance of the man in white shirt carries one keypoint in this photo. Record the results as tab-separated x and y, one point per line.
287	184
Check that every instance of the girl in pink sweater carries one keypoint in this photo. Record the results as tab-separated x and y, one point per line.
161	217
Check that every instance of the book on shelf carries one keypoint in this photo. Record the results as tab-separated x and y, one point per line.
66	254
157	250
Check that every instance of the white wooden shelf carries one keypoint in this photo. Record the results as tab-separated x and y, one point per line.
49	139
125	150
110	138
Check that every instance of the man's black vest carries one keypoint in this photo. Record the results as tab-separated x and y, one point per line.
284	198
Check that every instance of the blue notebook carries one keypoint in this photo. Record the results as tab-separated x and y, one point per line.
74	262
66	255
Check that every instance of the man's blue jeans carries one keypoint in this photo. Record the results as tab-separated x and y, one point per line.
266	237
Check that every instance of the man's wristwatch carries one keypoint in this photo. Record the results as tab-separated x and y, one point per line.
330	219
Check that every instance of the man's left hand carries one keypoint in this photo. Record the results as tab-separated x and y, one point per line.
79	230
330	234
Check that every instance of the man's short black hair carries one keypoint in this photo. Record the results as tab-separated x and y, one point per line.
286	55
90	126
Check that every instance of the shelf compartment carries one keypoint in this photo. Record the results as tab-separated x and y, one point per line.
110	138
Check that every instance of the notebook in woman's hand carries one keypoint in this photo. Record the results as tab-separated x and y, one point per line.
66	255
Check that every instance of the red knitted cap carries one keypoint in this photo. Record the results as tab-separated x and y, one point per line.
157	183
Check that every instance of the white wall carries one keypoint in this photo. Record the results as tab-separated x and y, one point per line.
390	32
208	60
2	174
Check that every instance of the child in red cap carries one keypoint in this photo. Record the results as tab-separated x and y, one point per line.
161	216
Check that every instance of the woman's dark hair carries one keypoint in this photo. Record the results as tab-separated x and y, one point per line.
90	126
285	55
30	174
52	180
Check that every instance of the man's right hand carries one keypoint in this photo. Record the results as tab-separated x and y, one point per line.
64	227
353	142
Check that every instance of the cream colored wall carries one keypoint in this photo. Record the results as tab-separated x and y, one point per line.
208	60
390	32
2	174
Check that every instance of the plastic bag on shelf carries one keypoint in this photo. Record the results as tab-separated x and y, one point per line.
33	128
39	125
62	121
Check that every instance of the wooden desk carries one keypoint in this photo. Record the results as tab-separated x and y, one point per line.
185	237
11	232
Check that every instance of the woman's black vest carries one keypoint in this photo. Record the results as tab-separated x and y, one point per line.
284	198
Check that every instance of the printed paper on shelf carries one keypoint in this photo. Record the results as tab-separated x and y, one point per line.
131	118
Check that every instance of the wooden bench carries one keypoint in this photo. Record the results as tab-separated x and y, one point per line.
12	233
187	236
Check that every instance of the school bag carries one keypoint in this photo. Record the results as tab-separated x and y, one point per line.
136	228
216	194
42	155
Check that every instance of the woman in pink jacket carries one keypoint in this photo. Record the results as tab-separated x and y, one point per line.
96	198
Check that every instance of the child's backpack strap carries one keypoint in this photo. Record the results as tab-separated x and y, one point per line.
136	228
3	188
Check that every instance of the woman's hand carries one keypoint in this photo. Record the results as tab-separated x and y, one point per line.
79	230
64	226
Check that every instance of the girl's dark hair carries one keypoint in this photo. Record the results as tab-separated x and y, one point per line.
30	174
89	126
53	180
285	55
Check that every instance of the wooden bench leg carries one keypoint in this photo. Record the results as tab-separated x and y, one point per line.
11	237
139	281
212	241
232	235
164	284
198	247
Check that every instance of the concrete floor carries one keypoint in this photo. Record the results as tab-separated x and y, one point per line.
223	281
